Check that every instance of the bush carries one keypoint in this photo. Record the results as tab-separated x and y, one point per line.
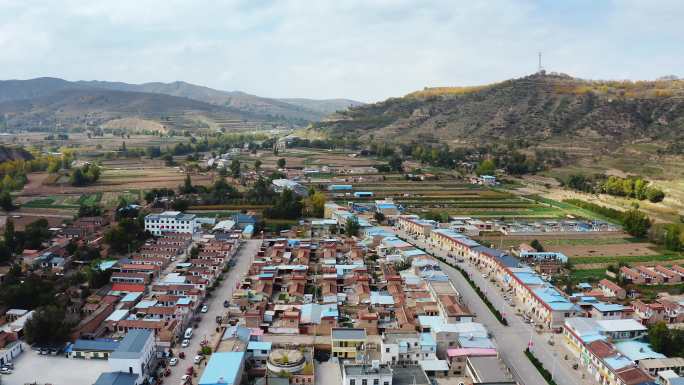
540	367
483	297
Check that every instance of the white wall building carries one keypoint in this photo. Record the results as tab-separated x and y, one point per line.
135	354
375	374
170	221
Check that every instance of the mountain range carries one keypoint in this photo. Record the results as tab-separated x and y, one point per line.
41	102
540	108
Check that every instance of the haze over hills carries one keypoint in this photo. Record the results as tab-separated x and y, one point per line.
539	107
42	100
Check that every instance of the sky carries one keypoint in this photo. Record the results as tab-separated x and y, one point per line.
367	50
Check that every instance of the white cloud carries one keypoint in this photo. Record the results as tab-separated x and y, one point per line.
367	50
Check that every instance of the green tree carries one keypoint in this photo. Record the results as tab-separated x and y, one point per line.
659	337
636	223
125	235
187	187
286	206
486	167
10	236
672	238
48	325
180	204
352	227
257	164
655	194
6	201
235	168
537	245
396	164
281	162
36	233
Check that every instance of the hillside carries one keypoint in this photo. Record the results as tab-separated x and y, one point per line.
236	103
70	108
324	107
542	108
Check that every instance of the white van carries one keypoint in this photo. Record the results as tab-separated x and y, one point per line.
188	333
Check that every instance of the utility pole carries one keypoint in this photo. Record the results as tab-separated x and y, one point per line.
540	68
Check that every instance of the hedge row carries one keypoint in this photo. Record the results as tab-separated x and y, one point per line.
540	367
479	292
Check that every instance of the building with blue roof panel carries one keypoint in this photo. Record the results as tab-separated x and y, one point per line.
92	349
223	368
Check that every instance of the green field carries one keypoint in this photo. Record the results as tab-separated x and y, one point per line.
627	259
588	275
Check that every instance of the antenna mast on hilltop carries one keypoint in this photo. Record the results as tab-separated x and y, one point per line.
540	69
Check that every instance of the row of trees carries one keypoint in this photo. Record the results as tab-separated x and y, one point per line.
669	342
633	221
631	187
86	175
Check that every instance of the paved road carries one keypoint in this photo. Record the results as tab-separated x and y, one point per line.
513	339
207	327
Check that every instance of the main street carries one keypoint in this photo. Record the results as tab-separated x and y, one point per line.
207	326
511	340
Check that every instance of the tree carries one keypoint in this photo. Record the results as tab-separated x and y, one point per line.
352	227
281	162
6	201
48	325
659	337
235	168
89	211
286	206
187	187
672	239
5	253
636	223
257	164
486	167
180	204
36	233
125	235
9	236
396	163
655	195
315	204
537	245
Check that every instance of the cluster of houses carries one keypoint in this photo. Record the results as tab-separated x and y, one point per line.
383	307
657	275
608	337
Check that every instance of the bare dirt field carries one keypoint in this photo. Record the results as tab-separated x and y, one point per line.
621	249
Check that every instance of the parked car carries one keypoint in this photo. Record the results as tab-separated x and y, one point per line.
9	365
226	303
205	309
198	359
185	343
173	361
5	370
185	379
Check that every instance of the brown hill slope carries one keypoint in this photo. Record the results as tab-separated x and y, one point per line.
540	107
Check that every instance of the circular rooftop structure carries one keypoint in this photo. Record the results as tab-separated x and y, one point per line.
285	360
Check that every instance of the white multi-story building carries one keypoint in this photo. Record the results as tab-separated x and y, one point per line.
407	348
135	355
375	374
170	222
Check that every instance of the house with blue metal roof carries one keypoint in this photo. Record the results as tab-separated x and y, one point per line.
92	349
223	368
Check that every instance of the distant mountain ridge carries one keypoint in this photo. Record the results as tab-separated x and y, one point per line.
21	94
537	108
